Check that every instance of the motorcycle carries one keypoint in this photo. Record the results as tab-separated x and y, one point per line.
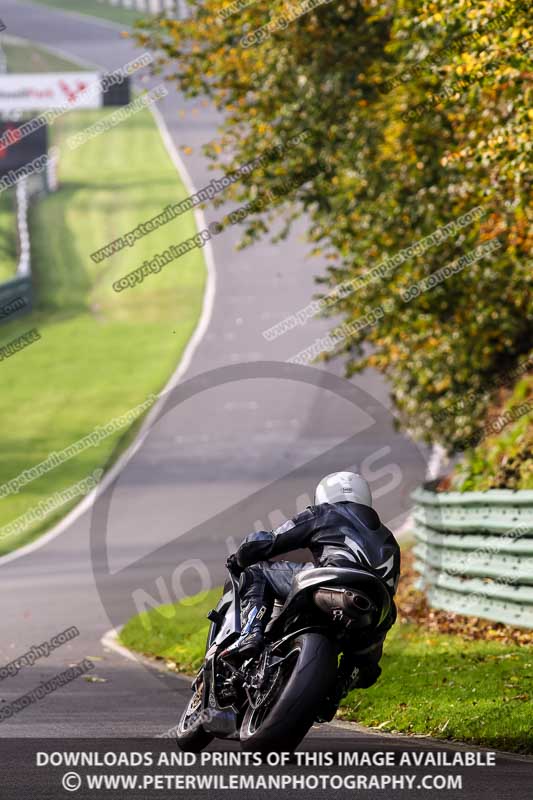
269	702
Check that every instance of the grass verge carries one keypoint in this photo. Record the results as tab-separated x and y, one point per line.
21	57
176	633
100	354
93	8
441	685
435	684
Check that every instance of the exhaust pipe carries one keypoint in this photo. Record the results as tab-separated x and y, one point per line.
348	603
359	600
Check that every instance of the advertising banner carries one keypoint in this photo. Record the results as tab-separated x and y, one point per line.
51	90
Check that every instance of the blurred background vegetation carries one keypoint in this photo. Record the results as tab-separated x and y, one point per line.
421	111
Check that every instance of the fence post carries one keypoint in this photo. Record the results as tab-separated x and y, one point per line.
24	261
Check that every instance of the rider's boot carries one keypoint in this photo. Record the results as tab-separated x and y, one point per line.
252	638
255	613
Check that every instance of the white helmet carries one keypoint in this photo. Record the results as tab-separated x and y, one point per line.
343	486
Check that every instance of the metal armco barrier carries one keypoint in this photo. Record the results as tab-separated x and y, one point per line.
474	553
15	298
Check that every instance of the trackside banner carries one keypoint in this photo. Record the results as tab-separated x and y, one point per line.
31	92
60	90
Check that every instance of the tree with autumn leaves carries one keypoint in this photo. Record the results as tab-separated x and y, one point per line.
419	113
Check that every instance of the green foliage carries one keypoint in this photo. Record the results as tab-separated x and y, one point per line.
503	460
405	157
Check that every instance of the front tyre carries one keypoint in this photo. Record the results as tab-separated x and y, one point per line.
279	719
191	736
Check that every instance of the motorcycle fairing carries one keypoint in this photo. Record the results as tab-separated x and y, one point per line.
306	581
229	607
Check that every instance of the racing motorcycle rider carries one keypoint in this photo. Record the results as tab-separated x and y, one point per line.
342	530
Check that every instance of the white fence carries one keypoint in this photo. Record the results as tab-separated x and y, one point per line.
173	8
24	261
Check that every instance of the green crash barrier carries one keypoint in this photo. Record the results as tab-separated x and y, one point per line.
474	553
15	298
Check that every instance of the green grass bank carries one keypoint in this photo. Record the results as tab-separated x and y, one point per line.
100	353
477	691
92	8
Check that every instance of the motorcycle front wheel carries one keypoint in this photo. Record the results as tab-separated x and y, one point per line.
191	735
280	715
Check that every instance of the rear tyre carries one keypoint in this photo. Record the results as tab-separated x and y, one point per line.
280	719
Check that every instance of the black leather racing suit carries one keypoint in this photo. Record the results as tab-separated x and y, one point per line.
338	534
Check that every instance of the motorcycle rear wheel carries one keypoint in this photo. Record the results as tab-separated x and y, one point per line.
280	722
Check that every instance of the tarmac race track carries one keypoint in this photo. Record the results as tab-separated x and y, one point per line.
240	441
